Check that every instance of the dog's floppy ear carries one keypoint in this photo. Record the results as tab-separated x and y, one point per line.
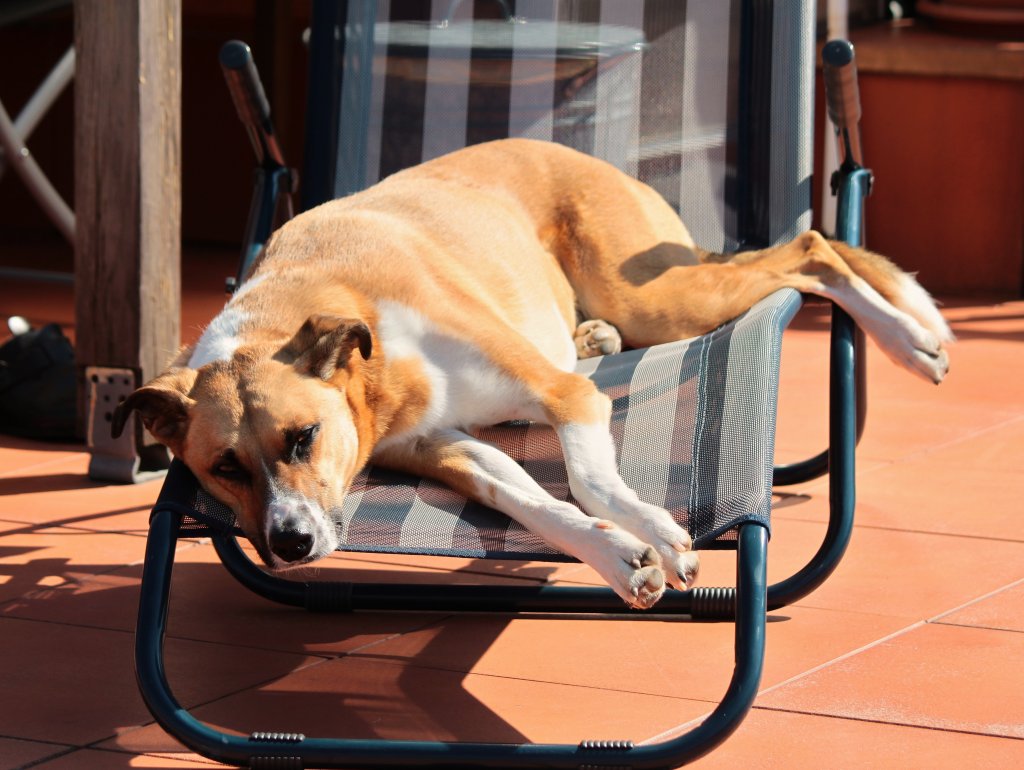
325	343
163	404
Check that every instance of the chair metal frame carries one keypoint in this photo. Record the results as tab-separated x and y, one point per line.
746	604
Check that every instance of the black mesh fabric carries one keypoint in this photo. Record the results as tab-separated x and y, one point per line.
693	422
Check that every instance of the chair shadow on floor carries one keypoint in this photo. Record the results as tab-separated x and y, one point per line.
300	671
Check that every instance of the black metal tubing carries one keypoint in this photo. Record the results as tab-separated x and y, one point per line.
273	180
271	206
327	596
839	69
325	752
847	389
818	465
846	342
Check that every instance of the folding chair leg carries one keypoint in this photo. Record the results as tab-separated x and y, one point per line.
846	413
841	461
283	750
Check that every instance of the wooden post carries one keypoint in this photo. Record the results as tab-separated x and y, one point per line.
128	212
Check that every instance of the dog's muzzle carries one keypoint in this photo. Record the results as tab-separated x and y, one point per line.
292	529
290	543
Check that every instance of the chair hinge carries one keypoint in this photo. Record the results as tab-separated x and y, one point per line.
599	747
276	762
713	603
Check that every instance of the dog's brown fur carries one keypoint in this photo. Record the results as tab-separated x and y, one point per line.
374	319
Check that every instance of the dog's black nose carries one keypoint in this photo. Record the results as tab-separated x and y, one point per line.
290	544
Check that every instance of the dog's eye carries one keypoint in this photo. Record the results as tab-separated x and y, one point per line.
230	469
302	442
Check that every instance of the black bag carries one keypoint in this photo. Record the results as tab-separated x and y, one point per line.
37	385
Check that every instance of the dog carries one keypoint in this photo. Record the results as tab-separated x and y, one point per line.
388	324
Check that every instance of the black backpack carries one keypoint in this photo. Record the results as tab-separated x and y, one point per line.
37	385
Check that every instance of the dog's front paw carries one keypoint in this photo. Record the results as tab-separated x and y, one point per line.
655	525
631	567
596	338
646	579
680	562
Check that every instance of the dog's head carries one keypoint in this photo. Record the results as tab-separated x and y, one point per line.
276	433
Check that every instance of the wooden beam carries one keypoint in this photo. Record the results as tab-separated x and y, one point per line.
127	187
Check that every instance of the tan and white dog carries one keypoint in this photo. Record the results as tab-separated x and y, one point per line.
389	324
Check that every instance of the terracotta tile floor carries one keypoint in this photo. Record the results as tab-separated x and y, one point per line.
912	655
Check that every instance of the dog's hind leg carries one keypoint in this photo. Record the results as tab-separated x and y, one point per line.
687	300
884	301
481	471
901	289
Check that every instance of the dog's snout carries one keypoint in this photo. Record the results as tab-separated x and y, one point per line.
291	541
292	528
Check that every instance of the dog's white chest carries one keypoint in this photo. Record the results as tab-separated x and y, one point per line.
466	389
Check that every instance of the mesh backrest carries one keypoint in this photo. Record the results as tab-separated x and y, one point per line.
708	101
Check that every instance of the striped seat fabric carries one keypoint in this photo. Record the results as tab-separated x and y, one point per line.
693	421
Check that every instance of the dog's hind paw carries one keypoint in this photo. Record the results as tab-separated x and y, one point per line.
596	338
913	347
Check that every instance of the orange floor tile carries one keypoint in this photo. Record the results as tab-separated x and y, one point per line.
912	655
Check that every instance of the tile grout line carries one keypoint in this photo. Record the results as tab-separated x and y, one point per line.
911	725
878	528
949	624
886	463
685	727
396	635
199	704
975	600
58	755
85	580
27	527
17	472
410	663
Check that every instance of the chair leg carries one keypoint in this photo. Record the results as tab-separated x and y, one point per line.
149	638
842	464
846	413
268	749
